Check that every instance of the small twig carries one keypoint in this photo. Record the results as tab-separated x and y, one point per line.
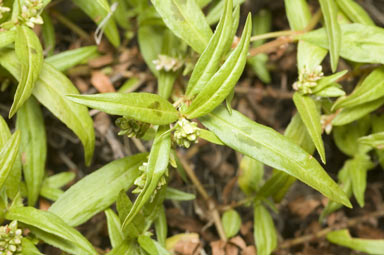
272	35
139	145
69	24
320	234
210	202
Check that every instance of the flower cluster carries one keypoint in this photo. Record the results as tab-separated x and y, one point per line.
186	133
3	9
308	79
131	127
167	63
10	239
140	181
30	12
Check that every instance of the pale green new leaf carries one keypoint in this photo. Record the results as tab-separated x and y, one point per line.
186	20
150	48
359	43
70	58
298	14
146	107
8	155
264	230
59	180
156	169
355	12
370	89
310	115
33	147
328	81
251	175
178	195
97	191
50	90
29	248
209	61
52	229
329	10
30	54
98	10
268	146
333	90
343	238
374	140
115	234
231	223
209	136
7	37
224	80
309	56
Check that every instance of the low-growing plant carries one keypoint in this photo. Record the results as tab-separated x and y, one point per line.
177	42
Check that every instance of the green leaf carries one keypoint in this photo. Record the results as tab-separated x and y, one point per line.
151	246
52	229
309	56
370	89
215	12
374	140
348	115
115	234
268	146
127	247
70	58
210	59
186	20
298	14
7	37
310	115
156	168
48	33
51	185
343	238
91	195
347	137
150	48
50	90
33	147
328	81
98	10
333	90
178	195
8	155
378	127
358	168
231	222
359	43
355	12
264	230
29	248
222	83
124	206
161	226
144	107
30	54
209	136
251	175
329	10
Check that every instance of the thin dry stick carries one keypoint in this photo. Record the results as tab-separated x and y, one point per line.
350	223
210	202
69	24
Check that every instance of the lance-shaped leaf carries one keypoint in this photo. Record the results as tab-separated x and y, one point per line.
358	168
231	221
155	169
97	191
264	230
359	43
186	20
151	246
309	55
30	54
268	146
51	185
150	48
311	118
329	10
29	248
343	238
251	175
355	12
48	34
8	155
328	81
209	61
214	13
369	90
222	83
348	115
161	226
146	107
7	37
374	140
298	14
115	234
70	58
99	11
178	195
52	229
50	90
127	247
33	147
209	136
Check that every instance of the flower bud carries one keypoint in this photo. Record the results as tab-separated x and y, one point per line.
186	133
131	127
10	239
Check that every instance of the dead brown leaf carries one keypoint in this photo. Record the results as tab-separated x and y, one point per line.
101	82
